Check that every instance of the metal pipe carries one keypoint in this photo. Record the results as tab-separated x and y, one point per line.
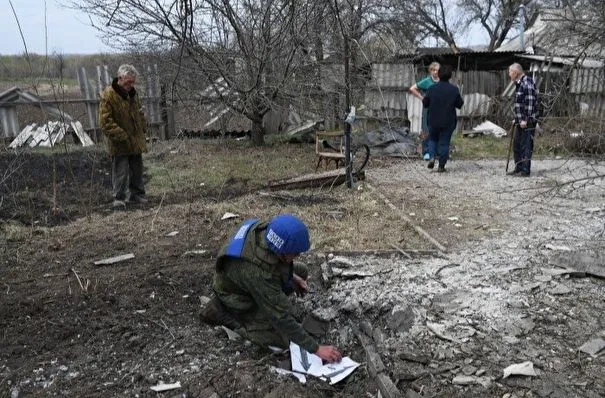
522	27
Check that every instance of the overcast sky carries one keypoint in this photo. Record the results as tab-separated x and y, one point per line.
69	32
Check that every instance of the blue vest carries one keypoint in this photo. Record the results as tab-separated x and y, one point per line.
236	245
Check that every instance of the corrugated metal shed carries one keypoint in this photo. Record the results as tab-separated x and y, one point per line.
475	104
393	75
584	81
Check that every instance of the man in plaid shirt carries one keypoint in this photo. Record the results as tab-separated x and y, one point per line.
526	118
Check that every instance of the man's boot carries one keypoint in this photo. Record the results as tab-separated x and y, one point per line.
214	313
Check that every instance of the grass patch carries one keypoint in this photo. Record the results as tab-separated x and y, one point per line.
484	146
186	164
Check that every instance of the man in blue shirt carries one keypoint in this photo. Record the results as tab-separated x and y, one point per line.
526	119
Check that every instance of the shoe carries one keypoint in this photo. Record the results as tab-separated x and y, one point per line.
431	164
513	173
214	313
523	174
441	169
138	199
426	156
118	204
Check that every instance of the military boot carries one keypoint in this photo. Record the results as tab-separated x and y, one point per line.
214	313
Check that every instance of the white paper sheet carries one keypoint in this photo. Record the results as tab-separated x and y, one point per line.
305	362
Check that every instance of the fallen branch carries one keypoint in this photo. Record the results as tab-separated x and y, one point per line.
446	266
400	250
158	210
84	289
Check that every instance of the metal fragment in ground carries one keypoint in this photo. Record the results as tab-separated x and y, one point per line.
593	347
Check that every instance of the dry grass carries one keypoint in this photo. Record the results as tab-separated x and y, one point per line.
339	218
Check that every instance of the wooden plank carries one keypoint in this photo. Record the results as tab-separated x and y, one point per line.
375	364
387	387
327	178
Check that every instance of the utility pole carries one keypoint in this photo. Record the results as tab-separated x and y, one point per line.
522	27
348	164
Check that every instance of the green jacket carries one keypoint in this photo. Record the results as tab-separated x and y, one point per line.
122	120
254	283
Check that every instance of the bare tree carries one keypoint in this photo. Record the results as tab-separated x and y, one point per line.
433	18
496	17
244	51
584	20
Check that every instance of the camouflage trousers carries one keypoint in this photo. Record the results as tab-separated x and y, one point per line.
256	326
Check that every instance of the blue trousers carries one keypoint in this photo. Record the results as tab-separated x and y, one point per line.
439	143
523	148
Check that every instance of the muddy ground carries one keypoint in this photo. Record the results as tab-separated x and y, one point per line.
73	329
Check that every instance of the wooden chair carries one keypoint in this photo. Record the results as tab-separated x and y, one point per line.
329	146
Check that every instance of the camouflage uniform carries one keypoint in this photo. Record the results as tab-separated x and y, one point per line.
254	287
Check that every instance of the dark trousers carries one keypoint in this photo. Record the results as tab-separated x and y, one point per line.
425	129
523	148
127	176
439	143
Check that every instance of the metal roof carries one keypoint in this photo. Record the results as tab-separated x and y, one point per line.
570	61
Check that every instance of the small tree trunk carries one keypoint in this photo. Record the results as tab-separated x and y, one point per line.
258	132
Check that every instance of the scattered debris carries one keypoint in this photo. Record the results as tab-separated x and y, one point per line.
50	134
376	367
166	387
487	127
593	347
560	290
173	233
469	380
583	263
228	216
439	331
301	377
340	262
388	141
326	274
557	248
231	334
351	274
195	252
520	369
113	260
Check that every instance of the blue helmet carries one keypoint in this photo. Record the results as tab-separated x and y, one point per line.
287	234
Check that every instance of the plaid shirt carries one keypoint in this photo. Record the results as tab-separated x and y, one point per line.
526	101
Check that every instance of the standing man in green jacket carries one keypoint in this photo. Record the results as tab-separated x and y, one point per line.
255	274
122	120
